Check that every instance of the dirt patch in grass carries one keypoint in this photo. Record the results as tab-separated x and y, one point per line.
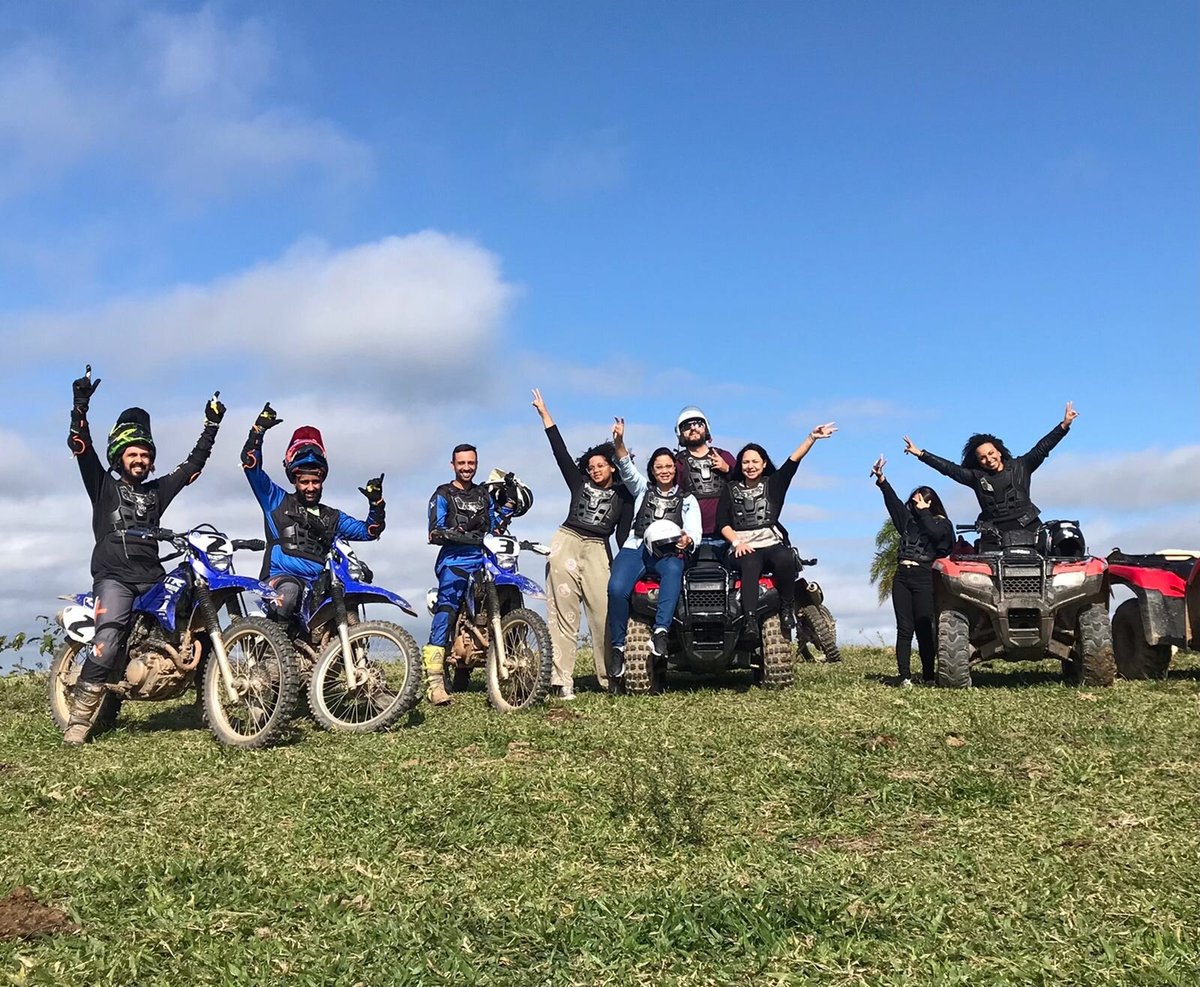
558	716
22	916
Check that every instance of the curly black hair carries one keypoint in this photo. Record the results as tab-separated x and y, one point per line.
735	474
969	459
605	449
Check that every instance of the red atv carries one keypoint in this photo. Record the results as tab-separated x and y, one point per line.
1164	612
706	634
1039	596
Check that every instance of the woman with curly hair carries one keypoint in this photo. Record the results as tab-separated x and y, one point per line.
578	568
748	518
1000	479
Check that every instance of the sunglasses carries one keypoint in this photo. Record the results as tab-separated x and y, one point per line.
693	423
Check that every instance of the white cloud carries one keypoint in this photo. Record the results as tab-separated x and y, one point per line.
1133	481
402	311
179	100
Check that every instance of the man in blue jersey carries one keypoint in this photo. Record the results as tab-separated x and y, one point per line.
461	513
300	529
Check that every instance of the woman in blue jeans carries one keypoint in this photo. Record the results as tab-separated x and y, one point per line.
656	499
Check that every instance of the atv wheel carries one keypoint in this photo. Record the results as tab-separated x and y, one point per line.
778	672
1136	657
817	627
642	675
64	673
1091	661
953	650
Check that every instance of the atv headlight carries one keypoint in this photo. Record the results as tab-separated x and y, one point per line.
976	581
1068	580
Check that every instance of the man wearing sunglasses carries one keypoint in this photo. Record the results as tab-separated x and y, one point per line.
703	470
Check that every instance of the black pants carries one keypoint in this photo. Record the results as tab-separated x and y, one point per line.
778	559
114	606
289	589
912	599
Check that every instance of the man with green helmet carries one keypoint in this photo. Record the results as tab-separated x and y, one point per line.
127	507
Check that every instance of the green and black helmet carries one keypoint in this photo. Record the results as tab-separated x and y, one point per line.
132	429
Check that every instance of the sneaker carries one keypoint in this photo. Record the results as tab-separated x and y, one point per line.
617	661
658	642
564	692
905	683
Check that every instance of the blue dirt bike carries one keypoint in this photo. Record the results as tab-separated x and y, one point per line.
245	673
365	674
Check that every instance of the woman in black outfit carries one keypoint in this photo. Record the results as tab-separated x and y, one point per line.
748	518
926	534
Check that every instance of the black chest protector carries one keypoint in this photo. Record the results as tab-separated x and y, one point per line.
303	533
466	509
751	506
915	545
702	479
594	509
136	508
1004	497
658	507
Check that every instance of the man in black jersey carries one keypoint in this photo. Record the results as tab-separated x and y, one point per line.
127	508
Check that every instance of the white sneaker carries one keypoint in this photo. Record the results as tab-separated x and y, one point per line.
565	692
906	683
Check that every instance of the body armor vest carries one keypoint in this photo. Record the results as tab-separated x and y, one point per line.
658	507
138	508
594	509
301	532
914	545
1007	500
702	479
464	507
751	506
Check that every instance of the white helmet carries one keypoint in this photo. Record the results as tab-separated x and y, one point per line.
662	536
691	413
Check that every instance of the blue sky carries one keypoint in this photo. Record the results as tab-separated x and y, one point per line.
393	220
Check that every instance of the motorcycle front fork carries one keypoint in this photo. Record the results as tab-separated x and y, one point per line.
211	624
343	626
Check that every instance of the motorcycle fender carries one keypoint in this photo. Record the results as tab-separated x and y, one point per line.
161	600
360	593
218	581
526	585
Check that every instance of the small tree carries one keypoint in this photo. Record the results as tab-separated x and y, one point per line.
883	565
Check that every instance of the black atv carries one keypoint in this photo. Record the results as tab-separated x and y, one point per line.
1038	595
706	636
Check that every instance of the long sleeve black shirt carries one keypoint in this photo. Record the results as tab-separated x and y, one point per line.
574	480
924	536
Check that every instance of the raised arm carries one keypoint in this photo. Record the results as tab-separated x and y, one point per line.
189	470
635	482
1037	455
820	432
959	474
79	438
540	406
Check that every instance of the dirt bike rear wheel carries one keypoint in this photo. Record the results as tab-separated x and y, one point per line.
953	650
263	663
643	675
821	630
1136	657
64	673
530	660
778	668
388	662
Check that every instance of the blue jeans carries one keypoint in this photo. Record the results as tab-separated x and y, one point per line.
629	565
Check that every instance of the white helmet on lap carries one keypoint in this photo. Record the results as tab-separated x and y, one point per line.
662	537
690	414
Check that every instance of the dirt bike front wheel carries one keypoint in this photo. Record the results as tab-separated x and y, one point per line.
266	683
528	661
387	679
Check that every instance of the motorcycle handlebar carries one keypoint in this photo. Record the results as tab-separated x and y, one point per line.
249	544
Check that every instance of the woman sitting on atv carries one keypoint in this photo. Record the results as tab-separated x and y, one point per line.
748	518
1000	480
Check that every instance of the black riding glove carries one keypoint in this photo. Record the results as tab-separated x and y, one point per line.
251	450
373	491
214	411
83	388
266	418
510	489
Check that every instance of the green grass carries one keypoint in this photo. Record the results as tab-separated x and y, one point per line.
840	832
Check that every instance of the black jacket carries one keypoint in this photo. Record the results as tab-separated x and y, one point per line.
924	536
1003	497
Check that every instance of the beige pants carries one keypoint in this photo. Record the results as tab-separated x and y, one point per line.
577	574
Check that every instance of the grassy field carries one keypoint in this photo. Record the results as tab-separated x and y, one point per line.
841	832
